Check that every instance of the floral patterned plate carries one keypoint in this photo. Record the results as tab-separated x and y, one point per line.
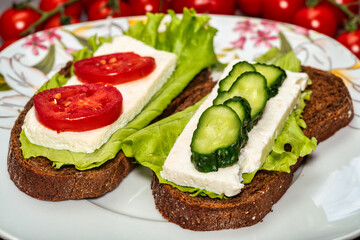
322	203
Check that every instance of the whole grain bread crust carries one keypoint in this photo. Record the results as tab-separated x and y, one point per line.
36	176
329	109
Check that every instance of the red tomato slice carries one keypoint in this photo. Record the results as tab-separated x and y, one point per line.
78	108
114	68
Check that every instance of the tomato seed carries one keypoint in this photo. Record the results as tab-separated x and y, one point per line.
112	60
57	96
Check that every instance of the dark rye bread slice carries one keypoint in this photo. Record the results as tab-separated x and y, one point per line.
329	109
36	176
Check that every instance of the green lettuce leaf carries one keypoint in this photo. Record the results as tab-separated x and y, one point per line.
93	43
156	140
287	61
197	46
270	56
55	81
279	159
283	57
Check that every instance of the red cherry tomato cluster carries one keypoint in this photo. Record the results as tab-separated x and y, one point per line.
325	16
322	15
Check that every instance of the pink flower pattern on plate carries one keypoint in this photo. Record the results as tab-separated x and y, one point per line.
50	35
239	43
35	43
70	50
270	25
263	37
301	30
245	27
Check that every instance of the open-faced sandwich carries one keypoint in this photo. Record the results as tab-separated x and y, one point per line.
66	142
224	162
219	161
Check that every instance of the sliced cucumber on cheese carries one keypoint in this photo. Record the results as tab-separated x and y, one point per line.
237	70
274	76
216	142
253	87
222	128
242	108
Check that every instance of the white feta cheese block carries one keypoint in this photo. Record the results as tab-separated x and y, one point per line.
136	95
271	123
179	169
300	78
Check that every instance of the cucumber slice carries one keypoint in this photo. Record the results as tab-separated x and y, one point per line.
216	142
242	108
274	76
253	87
238	69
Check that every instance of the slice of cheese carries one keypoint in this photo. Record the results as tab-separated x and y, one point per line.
179	169
271	123
136	95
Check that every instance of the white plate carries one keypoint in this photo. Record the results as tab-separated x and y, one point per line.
322	203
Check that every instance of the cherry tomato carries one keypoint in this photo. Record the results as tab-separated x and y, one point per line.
206	6
99	10
353	6
114	68
55	22
7	43
281	10
78	108
73	10
13	22
142	6
253	8
351	40
318	18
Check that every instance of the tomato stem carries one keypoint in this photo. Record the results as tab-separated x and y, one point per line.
115	7
345	9
312	3
352	25
45	16
21	5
